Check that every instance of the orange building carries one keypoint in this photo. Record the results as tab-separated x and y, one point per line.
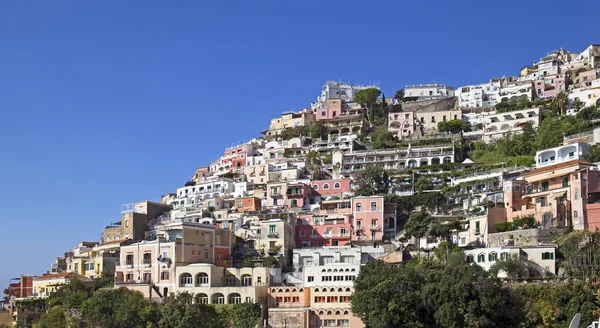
248	204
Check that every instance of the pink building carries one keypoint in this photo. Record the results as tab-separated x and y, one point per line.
548	86
330	226
334	187
297	195
234	158
335	109
368	212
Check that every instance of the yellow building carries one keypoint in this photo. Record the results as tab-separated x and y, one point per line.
45	285
289	120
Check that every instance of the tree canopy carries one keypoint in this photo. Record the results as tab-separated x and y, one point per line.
373	180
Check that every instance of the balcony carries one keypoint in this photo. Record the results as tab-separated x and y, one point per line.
275	193
147	264
273	234
296	192
375	228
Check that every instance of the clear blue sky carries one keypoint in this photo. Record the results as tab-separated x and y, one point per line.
111	102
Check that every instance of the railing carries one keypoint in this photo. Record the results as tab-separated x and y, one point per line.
133	282
375	228
579	135
273	235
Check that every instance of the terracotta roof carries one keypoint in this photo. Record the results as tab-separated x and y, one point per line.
115	242
557	166
71	275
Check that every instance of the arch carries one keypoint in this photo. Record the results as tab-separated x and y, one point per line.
234	298
516	125
301	290
348	289
546	156
280	290
347	270
401	164
201	279
356	129
332	289
316	289
185	280
435	161
294	290
321	312
504	127
337	185
346	312
447	160
329	312
316	187
481	258
598	102
287	290
567	152
353	270
470	258
328	270
326	186
334	270
345	131
412	163
334	131
217	298
165	291
493	257
337	312
423	162
246	280
324	270
492	128
340	290
201	298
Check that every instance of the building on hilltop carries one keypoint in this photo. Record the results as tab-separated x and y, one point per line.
542	255
428	91
134	218
338	90
478	95
498	125
289	120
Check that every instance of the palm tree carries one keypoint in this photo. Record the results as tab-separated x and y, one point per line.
560	102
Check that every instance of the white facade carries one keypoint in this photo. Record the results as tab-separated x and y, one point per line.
343	143
589	95
517	90
479	95
542	255
497	125
428	91
561	154
338	90
213	187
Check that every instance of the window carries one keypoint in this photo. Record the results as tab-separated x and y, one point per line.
319	299
326	278
374	222
240	204
185	279
492	257
343	232
294	203
477	230
480	258
272	229
337	185
302	233
503	256
547	256
343	323
316	187
206	255
359	207
326	186
344	299
444	118
433	119
311	278
373	206
164	275
332	299
202	278
565	182
323	113
576	195
359	224
315	232
206	237
423	119
127	223
329	323
575	214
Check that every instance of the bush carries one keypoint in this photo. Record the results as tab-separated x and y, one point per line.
525	222
503	226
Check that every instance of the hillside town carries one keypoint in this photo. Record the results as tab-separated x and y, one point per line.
288	219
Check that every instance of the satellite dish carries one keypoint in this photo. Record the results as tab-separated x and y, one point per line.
576	320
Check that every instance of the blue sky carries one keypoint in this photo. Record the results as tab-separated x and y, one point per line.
110	102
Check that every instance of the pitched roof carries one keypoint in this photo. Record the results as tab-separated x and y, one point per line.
557	166
70	275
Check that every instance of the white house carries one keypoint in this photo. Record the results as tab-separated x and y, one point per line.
479	95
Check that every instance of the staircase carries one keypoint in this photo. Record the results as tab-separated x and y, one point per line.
157	291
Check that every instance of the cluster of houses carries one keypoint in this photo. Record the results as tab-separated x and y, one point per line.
266	224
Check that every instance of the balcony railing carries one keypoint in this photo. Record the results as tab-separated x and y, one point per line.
273	234
375	228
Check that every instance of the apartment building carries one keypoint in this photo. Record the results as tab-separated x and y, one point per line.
479	95
517	90
344	143
47	284
428	91
248	204
234	158
589	95
289	120
499	124
212	187
555	194
149	266
217	285
369	220
330	225
411	157
298	195
542	255
401	123
134	218
338	90
269	231
427	114
548	86
20	287
331	187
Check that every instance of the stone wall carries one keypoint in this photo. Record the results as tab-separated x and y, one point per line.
290	318
525	237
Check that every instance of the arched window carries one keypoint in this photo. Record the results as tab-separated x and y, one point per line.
287	290
280	290
329	313
493	257
340	290
301	290
480	258
201	298
332	289
201	279
325	186
218	298
234	298
246	280
470	258
294	290
348	289
316	187
337	312
353	270
334	270
321	312
186	280
316	289
337	185
346	313
324	270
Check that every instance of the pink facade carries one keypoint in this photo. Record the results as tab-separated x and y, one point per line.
232	159
330	226
297	195
368	218
335	110
334	187
549	86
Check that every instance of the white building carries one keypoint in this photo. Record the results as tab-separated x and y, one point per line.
542	255
212	187
343	143
338	90
590	96
497	125
479	95
428	91
561	154
517	90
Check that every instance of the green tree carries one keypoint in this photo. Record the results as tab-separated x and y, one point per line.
423	183
245	315
119	308
594	155
516	267
453	126
382	138
108	278
248	262
416	226
372	180
70	296
54	318
559	103
578	104
399	95
367	98
270	262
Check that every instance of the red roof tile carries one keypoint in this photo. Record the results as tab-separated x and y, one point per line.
557	166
